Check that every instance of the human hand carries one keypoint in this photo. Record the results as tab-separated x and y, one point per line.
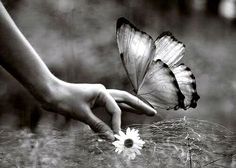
19	58
78	100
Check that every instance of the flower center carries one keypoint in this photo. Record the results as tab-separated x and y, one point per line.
128	143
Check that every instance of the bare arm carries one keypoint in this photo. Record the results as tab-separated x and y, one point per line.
20	59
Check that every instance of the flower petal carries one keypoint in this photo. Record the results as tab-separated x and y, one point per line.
117	144
119	137
141	142
128	131
136	146
132	156
137	151
122	134
119	151
129	153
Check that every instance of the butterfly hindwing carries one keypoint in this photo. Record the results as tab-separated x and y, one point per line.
160	87
135	49
187	85
170	51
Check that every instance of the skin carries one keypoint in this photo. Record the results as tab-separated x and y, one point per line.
20	59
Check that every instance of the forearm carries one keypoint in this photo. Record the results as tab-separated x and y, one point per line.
19	58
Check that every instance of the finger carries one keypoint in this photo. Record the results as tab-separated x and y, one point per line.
98	125
133	101
126	107
111	106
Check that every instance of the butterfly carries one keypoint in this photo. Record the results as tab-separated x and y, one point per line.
153	67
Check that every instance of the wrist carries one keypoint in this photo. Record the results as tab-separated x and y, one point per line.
46	92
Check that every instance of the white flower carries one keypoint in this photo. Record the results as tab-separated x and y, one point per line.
128	144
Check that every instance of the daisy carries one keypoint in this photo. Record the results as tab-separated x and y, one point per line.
128	144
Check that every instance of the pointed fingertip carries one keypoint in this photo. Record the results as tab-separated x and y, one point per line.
117	131
109	136
152	112
150	108
155	112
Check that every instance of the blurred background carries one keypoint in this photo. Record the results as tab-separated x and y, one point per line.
77	41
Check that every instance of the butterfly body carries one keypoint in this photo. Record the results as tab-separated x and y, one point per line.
153	70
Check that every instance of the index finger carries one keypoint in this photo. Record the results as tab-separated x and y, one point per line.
133	101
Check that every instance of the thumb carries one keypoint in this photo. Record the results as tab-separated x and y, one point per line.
98	126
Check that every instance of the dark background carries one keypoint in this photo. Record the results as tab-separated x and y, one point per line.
76	39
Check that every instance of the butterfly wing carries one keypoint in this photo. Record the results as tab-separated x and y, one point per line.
170	51
135	49
160	88
187	85
152	79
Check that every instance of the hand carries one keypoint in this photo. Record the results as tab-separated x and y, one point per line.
78	100
20	59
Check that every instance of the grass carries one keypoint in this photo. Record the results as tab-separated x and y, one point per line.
171	143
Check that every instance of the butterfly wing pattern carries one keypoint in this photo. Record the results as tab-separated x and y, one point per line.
160	88
187	84
170	51
135	50
152	68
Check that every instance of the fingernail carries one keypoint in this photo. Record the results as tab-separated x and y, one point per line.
109	135
155	111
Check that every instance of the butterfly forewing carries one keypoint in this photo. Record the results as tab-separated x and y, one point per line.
160	87
135	49
168	49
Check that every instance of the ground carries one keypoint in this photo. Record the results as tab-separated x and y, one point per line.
184	142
